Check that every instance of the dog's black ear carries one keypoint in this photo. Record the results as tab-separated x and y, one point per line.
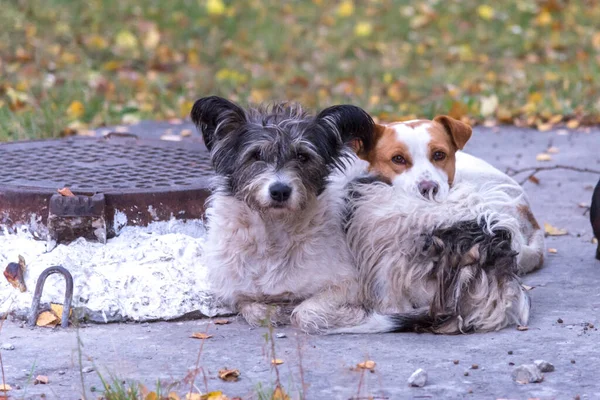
352	124
210	113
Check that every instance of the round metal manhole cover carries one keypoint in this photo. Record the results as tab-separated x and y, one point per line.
146	180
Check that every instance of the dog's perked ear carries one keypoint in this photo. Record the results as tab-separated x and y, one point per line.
351	124
213	113
459	131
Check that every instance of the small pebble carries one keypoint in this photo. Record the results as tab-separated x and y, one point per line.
591	326
544	366
280	335
87	369
455	362
510	352
511	363
7	346
466	373
572	361
418	378
474	366
560	321
527	373
62	372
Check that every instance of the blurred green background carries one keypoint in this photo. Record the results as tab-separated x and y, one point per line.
70	66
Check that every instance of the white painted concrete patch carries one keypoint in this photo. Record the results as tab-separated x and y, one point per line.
146	273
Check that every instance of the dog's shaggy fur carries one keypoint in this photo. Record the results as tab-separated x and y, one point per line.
444	267
275	241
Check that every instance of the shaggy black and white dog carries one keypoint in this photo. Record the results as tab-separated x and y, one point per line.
444	267
275	242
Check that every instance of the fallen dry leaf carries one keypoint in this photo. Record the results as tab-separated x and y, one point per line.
526	287
47	318
553	231
552	150
200	335
173	396
573	124
41	379
66	192
229	375
221	321
369	364
522	328
194	396
216	395
151	396
4	387
186	132
543	157
276	361
534	179
552	250
279	394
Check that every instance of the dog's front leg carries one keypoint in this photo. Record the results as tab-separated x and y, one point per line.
332	308
262	314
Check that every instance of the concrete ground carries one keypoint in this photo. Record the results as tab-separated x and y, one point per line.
565	295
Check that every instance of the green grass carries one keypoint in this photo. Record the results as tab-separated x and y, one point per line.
124	60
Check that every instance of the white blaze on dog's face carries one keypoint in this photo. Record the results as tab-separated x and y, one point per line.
419	156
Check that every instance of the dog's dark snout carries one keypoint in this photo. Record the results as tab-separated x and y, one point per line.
280	191
428	187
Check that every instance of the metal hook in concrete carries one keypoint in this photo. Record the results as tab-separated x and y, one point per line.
39	287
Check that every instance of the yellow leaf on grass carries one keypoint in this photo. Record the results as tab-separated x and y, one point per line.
543	18
216	395
534	97
75	110
215	7
194	396
543	157
369	364
345	9
47	318
363	29
173	396
554	231
200	335
279	394
486	12
126	40
276	361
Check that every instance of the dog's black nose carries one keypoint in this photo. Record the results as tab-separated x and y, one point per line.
427	187
280	191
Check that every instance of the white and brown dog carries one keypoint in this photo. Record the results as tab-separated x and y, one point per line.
275	242
423	157
438	236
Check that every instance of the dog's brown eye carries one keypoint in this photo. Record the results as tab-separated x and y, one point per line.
302	157
399	160
439	156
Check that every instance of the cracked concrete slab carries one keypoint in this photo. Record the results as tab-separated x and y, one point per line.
565	296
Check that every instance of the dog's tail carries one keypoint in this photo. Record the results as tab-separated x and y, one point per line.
419	320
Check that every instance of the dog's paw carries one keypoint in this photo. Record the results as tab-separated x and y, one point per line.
261	314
